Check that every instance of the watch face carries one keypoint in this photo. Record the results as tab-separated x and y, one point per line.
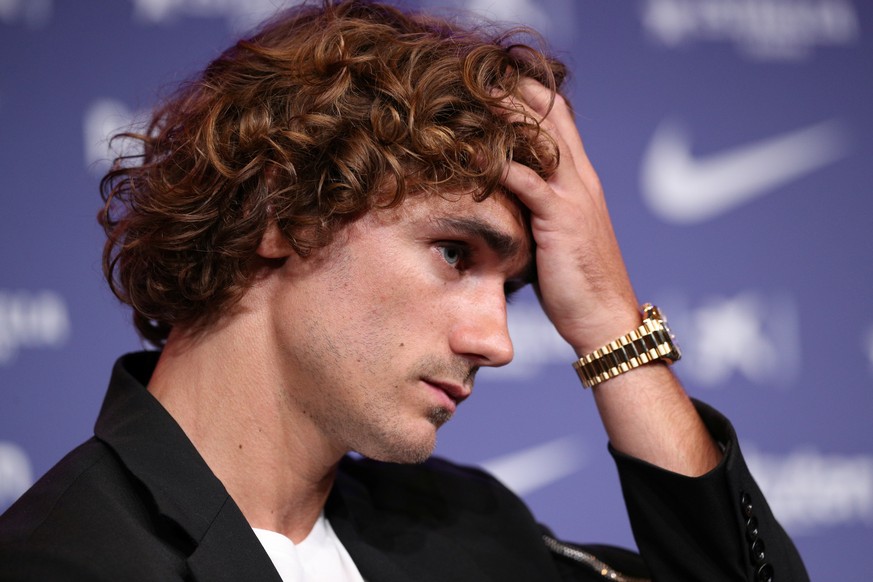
652	312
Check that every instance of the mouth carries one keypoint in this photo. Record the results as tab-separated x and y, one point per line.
450	393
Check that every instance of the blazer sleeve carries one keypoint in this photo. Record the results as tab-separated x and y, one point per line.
714	527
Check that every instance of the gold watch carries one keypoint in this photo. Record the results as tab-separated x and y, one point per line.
652	341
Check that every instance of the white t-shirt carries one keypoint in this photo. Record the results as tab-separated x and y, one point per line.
321	557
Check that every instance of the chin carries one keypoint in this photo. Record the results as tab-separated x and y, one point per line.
408	442
403	450
411	457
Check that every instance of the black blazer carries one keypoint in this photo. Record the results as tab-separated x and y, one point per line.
137	502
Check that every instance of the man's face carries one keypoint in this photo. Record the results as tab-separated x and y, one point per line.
379	335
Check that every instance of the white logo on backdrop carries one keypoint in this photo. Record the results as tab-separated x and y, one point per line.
554	19
750	335
103	119
243	15
538	466
680	188
16	473
239	15
31	13
760	29
31	320
522	11
808	489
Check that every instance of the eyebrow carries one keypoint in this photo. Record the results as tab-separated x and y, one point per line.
506	247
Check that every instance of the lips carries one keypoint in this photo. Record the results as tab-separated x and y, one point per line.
456	393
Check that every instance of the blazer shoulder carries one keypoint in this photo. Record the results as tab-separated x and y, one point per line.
87	514
67	487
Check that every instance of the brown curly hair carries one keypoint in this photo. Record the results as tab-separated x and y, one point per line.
327	112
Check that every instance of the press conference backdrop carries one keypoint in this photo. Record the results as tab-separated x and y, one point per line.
733	138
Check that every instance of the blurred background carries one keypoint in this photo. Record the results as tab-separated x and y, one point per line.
735	142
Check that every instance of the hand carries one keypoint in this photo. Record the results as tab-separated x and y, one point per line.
582	280
586	292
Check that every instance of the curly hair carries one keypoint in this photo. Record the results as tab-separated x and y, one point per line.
326	113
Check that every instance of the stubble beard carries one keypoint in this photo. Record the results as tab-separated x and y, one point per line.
414	453
401	451
438	416
391	442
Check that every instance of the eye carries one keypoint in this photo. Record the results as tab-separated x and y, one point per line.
454	254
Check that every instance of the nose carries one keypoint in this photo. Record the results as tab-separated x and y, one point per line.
480	332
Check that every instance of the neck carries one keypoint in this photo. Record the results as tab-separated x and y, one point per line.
223	390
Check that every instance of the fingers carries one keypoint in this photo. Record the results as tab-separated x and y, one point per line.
575	181
557	119
531	189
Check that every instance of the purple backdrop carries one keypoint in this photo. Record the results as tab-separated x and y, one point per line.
734	141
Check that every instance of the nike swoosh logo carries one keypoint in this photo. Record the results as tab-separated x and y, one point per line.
535	467
683	189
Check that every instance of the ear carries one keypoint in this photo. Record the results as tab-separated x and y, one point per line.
273	244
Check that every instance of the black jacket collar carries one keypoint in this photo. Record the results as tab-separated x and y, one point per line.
156	451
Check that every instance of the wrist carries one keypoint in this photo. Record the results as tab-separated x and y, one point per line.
651	341
611	325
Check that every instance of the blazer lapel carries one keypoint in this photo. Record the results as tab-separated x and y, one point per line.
182	486
230	551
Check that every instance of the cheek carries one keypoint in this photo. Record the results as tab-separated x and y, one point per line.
395	300
401	323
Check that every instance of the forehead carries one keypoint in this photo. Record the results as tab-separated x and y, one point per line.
499	209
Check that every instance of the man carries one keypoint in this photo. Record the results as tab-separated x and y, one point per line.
321	235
